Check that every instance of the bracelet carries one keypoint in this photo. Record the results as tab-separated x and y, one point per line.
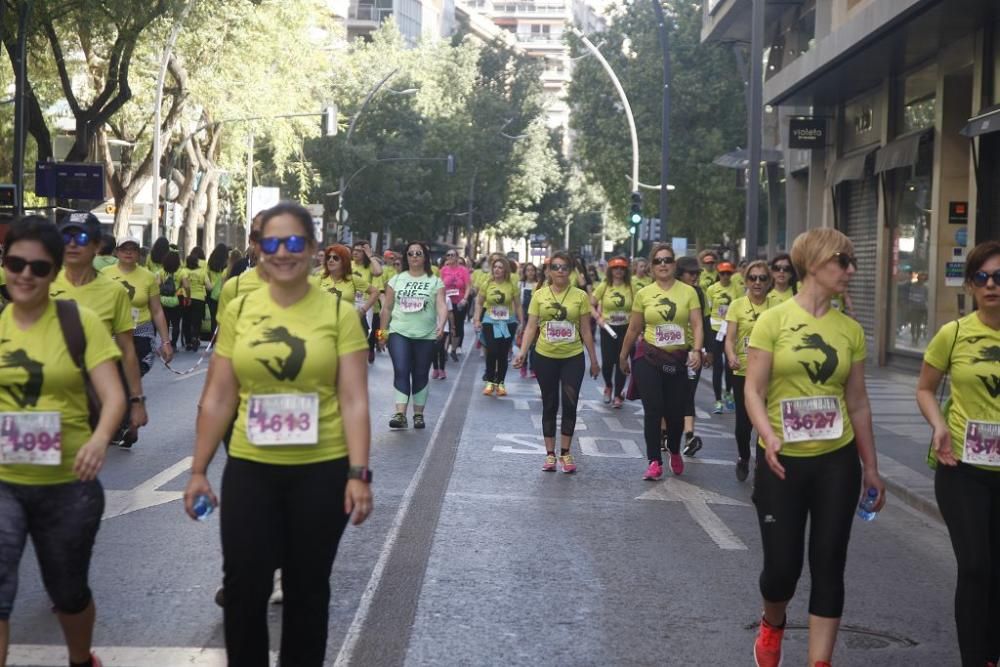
136	400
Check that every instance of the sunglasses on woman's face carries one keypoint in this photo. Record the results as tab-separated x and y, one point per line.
15	265
559	268
782	268
981	278
333	258
415	253
80	238
660	261
845	260
294	244
757	278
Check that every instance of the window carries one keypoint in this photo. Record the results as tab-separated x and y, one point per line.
918	100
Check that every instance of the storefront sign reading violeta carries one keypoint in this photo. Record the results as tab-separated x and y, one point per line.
806	132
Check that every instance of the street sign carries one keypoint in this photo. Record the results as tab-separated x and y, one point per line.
70	180
806	132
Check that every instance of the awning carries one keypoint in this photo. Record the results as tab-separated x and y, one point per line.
848	168
740	158
986	122
900	153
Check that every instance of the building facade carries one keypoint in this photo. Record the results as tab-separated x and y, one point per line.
416	19
906	93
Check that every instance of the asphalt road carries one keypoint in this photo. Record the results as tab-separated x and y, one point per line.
475	557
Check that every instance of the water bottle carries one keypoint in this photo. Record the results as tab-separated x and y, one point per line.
202	507
866	508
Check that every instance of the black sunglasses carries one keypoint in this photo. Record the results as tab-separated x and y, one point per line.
335	258
658	261
782	268
845	260
415	253
980	278
558	268
294	244
79	237
39	267
758	278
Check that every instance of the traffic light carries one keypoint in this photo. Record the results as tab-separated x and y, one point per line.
635	213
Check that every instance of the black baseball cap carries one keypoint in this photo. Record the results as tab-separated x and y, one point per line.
85	221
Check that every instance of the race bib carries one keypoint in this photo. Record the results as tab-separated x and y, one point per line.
452	292
746	344
500	313
283	419
560	331
359	299
982	443
411	304
814	418
617	318
722	310
668	334
135	316
34	438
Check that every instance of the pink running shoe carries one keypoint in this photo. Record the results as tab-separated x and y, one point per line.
434	374
524	371
654	472
533	375
676	464
618	402
442	375
550	463
568	465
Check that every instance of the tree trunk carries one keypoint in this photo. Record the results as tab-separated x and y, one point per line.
123	211
211	214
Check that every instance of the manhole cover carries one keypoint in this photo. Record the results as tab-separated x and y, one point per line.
853	637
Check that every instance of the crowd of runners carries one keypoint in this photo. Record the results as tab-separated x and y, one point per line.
295	328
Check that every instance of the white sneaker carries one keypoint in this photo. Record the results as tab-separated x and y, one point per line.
277	595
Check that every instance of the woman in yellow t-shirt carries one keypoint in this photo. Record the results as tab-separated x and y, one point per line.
338	279
497	316
741	317
195	282
806	396
783	280
290	365
614	303
50	456
560	315
966	447
667	316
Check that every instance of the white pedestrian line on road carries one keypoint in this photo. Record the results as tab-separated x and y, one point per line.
536	421
346	654
117	503
200	371
532	444
623	449
696	500
43	655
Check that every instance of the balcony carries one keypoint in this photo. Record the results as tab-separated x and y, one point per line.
369	12
554	11
540	39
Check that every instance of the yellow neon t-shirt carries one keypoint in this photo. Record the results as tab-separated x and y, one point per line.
244	283
108	299
719	297
141	286
707	278
776	298
479	278
344	288
639	283
559	320
743	314
810	358
499	298
615	302
197	280
37	374
667	313
740	283
974	365
294	350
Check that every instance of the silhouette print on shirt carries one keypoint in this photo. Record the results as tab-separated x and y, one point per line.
670	311
819	372
287	368
797	328
131	289
618	299
25	394
989	355
560	310
497	296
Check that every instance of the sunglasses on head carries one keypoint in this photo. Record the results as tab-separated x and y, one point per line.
980	278
81	238
757	278
414	253
558	268
39	267
660	261
294	243
845	260
782	268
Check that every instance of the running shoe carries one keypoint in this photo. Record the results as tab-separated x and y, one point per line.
676	463
442	375
767	647
371	355
398	421
488	389
692	445
607	394
533	375
95	661
567	463
435	374
742	469
824	663
524	371
501	390
418	420
718	409
619	401
550	463
730	402
654	472
454	355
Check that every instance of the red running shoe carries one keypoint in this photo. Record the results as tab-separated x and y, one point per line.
767	648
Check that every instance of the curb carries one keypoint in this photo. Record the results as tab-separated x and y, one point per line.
911	487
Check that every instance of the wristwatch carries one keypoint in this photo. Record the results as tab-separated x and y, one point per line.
137	399
362	473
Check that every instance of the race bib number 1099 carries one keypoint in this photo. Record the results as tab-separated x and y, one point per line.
33	438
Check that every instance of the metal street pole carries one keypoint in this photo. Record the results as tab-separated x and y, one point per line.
21	84
754	121
665	123
249	210
468	222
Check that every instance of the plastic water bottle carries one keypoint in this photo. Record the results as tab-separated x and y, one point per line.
203	507
866	508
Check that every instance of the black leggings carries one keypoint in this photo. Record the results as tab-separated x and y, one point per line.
824	490
213	311
458	335
693	385
743	425
664	396
719	366
497	351
611	348
969	499
288	517
193	315
370	331
174	315
440	356
559	377
411	367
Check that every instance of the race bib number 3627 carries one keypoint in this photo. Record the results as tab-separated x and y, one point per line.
812	418
283	419
33	438
982	443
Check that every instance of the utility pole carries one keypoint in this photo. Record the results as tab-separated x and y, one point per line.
21	85
754	122
665	123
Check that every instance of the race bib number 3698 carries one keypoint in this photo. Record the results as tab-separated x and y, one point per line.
982	443
283	419
33	438
813	418
560	331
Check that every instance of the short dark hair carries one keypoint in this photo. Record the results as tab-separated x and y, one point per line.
659	247
158	252
301	215
40	229
107	244
981	254
192	261
217	260
172	262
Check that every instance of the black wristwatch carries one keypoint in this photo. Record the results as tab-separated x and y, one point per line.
137	399
362	473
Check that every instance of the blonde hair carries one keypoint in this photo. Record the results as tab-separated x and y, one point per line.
659	247
500	259
816	247
758	264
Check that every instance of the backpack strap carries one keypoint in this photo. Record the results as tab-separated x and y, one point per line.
71	325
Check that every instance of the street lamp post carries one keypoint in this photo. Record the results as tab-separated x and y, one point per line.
665	135
754	121
21	84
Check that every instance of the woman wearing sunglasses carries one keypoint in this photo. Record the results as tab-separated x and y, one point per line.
559	315
806	396
415	317
667	314
338	279
290	363
500	318
50	491
614	303
741	317
720	294
688	272
966	449
784	283
457	289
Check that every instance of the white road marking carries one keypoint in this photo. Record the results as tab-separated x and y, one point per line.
536	421
200	371
696	500
117	503
521	443
45	655
626	449
346	655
